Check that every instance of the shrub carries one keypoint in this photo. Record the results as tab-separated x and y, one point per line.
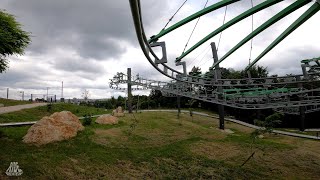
87	120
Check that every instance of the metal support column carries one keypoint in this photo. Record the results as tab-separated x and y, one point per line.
302	109
129	90
179	105
220	89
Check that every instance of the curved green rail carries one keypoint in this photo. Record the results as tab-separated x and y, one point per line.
302	19
192	17
288	10
235	20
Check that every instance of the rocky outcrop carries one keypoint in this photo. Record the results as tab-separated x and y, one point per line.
107	119
118	112
57	127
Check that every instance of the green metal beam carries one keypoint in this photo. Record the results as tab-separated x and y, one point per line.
192	17
294	6
235	20
302	19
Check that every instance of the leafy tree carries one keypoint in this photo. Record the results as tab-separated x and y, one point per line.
13	40
258	71
86	95
231	73
195	71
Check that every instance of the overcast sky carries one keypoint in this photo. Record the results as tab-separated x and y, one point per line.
84	43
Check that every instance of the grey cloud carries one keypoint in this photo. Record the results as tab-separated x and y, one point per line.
77	65
92	28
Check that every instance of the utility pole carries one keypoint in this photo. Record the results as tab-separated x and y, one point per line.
220	89
302	109
179	105
129	90
22	95
7	93
137	104
62	99
47	94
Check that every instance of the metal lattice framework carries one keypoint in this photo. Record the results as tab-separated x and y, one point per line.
161	64
246	93
255	93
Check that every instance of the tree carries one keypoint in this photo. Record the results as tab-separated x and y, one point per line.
231	73
13	40
86	95
258	71
195	71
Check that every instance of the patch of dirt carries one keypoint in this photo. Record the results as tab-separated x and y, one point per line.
214	150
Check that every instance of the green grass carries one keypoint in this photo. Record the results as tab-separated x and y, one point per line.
35	114
160	146
11	102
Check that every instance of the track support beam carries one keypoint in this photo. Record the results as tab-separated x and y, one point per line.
129	90
220	88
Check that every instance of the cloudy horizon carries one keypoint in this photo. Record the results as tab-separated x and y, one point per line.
85	43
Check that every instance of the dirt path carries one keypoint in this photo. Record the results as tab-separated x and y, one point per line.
19	107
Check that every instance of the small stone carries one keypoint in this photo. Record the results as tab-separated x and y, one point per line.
107	119
118	112
260	136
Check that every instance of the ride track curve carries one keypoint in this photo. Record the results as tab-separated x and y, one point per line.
297	89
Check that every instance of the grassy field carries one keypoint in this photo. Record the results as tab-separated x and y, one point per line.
35	114
11	102
157	145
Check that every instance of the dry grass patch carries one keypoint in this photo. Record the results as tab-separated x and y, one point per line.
109	136
215	150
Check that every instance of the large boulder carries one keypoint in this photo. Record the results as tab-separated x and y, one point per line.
118	112
107	119
57	127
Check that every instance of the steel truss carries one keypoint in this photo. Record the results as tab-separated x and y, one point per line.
286	94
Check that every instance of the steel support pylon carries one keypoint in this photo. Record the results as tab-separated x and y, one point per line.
217	75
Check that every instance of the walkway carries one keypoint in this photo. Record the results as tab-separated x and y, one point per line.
19	107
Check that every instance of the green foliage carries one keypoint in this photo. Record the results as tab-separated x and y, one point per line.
231	73
195	71
258	71
13	40
1	134
269	123
49	107
158	148
11	102
87	120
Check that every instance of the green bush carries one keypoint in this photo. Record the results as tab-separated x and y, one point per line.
87	120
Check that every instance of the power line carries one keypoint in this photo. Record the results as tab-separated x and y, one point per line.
224	18
193	29
174	14
251	32
206	49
